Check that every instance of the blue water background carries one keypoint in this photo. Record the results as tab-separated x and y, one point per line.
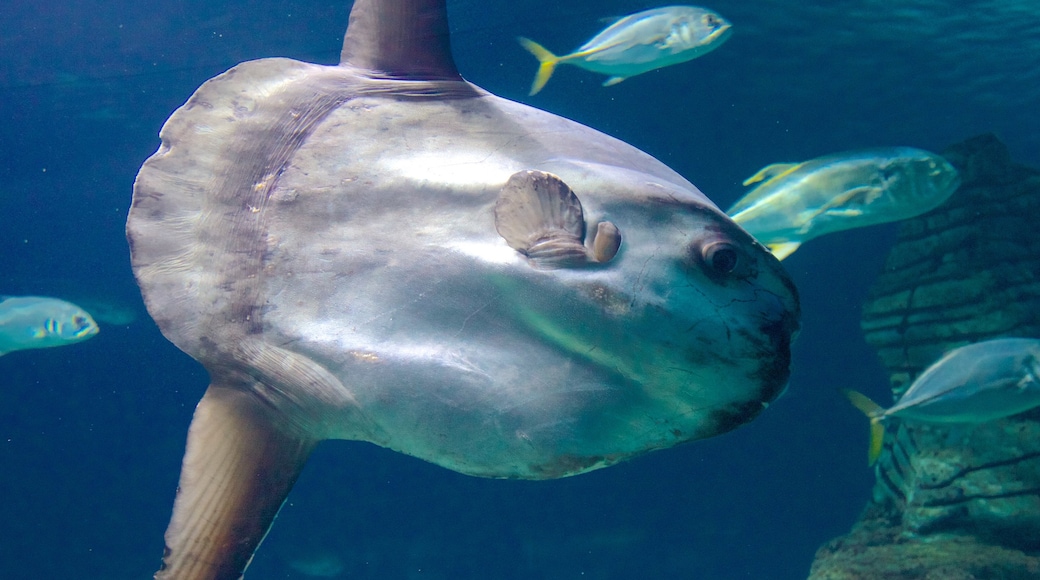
91	436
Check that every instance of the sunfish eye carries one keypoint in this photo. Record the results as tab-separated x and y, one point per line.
721	257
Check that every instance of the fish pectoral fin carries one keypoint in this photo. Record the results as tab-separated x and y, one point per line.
547	63
238	468
539	216
857	198
613	81
847	204
772	171
783	249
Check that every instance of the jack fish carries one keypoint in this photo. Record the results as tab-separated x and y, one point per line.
28	322
972	384
639	43
796	202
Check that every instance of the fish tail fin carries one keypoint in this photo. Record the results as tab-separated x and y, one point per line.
547	59
783	249
874	412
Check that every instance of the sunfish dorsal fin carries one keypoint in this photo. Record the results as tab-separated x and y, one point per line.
402	39
771	172
238	468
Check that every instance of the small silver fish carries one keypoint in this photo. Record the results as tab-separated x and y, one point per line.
639	43
972	384
795	202
28	322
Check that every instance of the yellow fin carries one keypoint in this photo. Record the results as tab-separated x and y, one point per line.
784	249
874	412
771	172
547	59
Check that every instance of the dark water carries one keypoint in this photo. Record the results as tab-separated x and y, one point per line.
91	435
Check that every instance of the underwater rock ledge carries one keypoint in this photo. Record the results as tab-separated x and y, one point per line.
954	501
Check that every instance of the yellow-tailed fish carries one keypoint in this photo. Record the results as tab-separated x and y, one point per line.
795	202
28	322
972	384
639	43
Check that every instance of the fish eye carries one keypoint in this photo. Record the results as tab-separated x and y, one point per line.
711	21
79	321
721	258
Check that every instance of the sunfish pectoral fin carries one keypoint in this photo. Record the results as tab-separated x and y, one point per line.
771	172
238	468
539	216
613	81
874	412
547	60
784	249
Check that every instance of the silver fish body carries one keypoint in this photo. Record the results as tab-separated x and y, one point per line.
29	322
639	43
795	203
975	383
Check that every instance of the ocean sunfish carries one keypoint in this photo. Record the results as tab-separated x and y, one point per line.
28	322
796	202
381	251
972	384
639	43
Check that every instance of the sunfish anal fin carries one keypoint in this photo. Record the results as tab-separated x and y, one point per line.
238	468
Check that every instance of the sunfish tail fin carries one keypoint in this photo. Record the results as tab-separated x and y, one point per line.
547	59
237	471
874	412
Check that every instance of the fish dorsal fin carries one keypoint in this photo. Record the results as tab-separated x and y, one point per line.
539	216
770	172
760	193
402	39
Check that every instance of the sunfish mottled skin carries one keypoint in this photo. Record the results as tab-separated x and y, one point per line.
979	382
381	251
28	322
796	202
639	43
